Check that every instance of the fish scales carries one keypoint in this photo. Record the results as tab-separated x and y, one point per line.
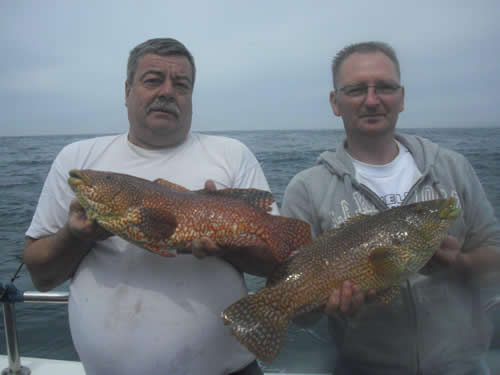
160	215
376	252
227	222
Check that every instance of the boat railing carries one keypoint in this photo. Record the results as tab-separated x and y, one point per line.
10	295
492	303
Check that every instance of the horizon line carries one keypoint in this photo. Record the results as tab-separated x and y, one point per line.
253	130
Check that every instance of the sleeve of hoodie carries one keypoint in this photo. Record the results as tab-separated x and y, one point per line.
297	203
483	228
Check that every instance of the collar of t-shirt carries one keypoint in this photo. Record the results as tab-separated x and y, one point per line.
391	181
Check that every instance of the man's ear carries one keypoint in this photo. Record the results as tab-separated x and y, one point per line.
127	91
333	103
402	105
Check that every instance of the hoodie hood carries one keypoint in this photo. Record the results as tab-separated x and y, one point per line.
424	152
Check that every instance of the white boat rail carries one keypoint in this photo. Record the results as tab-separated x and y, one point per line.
10	295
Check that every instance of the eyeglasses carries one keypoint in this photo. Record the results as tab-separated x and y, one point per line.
357	91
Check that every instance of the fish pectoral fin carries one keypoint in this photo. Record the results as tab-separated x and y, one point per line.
389	263
253	197
158	224
171	185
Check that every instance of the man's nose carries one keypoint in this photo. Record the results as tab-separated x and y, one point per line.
167	88
371	96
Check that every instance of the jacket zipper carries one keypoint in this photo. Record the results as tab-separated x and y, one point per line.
413	310
411	298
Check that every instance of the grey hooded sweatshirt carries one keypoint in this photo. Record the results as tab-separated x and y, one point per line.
437	325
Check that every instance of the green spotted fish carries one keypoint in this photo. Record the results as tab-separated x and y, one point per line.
161	216
374	251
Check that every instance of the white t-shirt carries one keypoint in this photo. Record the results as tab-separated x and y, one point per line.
392	181
134	312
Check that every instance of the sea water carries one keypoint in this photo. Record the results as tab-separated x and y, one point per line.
24	162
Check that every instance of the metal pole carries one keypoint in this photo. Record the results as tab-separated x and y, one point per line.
492	303
9	318
49	297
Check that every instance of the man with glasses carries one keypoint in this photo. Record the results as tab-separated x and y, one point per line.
435	325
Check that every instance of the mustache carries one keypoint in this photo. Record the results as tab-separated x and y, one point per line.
164	106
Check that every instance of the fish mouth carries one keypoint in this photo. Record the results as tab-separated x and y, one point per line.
449	209
75	178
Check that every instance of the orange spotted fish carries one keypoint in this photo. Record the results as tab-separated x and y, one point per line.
160	215
376	252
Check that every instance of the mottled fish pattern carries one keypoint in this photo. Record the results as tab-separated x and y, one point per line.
377	252
161	216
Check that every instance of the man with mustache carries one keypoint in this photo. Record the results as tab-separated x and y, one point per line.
436	324
132	311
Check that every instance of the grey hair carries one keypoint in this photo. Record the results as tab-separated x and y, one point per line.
158	46
363	47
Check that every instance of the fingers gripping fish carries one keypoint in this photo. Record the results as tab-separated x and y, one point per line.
160	215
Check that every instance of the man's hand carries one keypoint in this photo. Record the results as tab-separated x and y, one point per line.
82	227
448	253
53	259
473	261
210	185
348	299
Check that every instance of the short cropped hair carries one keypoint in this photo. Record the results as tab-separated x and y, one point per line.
158	46
363	47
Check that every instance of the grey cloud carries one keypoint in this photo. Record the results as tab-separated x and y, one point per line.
261	65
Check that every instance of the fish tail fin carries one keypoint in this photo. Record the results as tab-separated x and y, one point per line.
259	322
289	235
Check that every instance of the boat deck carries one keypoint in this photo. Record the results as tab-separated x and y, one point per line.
45	366
41	366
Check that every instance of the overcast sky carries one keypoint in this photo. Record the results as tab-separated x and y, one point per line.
260	64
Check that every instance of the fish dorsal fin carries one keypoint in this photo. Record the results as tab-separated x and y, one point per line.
171	185
389	263
253	197
354	220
